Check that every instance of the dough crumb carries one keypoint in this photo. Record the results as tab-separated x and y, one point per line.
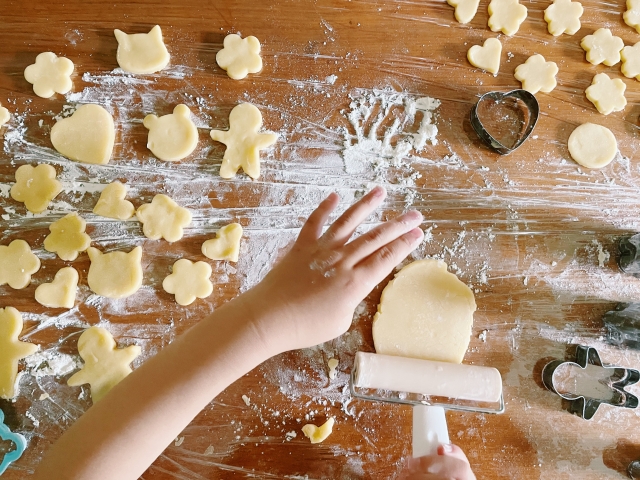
318	434
290	435
179	441
483	335
44	396
209	450
246	400
332	364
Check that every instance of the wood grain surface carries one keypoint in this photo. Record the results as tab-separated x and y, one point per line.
524	230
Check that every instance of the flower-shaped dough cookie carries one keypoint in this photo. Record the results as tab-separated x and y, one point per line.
163	218
189	281
172	137
602	47
67	237
240	56
4	116
50	74
226	245
243	141
36	187
112	204
11	349
17	264
465	9
632	15
61	293
537	75
607	94
631	61
563	16
487	56
506	16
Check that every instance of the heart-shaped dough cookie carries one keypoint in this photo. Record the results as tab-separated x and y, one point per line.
61	293
86	136
226	245
112	204
487	56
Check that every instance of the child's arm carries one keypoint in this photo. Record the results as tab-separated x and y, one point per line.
308	298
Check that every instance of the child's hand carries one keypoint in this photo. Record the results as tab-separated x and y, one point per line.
449	464
309	297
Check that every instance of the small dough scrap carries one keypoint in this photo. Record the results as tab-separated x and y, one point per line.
115	274
563	16
36	187
465	9
425	312
631	61
12	350
537	75
17	264
61	293
104	365
163	218
506	16
487	56
50	74
602	47
319	434
240	56
112	204
226	245
67	237
632	15
141	52
592	146
243	141
172	137
332	364
4	116
189	281
607	94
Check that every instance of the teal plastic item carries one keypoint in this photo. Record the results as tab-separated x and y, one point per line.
19	441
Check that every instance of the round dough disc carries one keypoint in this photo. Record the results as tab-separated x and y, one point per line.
425	312
592	146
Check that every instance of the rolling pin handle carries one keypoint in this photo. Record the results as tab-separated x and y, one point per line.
429	430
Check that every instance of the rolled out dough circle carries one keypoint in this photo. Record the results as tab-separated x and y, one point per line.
592	146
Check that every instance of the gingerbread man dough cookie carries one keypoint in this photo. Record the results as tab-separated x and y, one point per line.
226	245
67	237
112	204
50	74
115	274
240	56
537	75
465	9
12	350
61	292
172	137
141	52
602	47
163	218
189	281
17	264
36	187
506	16
487	56
563	16
606	94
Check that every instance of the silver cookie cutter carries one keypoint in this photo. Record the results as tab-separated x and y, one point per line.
585	406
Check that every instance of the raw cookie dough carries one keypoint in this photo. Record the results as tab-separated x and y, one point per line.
163	218
425	312
632	15
607	94
631	61
4	116
332	364
17	264
11	349
592	146
537	75
465	9
36	187
141	52
115	274
67	237
86	136
602	47
172	137
104	365
240	56
486	57
112	204
563	16
318	434
189	281
61	293
506	16
50	74
226	245
243	141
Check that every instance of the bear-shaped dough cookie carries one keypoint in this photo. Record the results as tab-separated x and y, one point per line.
115	274
61	292
50	74
17	264
36	187
240	56
226	245
487	56
563	16
141	52
112	204
11	349
172	137
163	218
188	281
67	237
4	116
86	136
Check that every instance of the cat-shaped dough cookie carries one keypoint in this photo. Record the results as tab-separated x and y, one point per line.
142	52
115	274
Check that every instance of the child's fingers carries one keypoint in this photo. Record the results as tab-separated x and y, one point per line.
452	450
341	230
443	466
312	228
378	265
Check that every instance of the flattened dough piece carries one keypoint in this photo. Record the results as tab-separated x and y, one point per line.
240	56
226	245
163	218
465	9
632	15
243	141
425	312
4	116
67	237
61	292
606	94
506	16
592	146
563	16
115	274
537	75
141	52
36	187
319	434
50	74
86	136
104	365
487	56
12	350
112	204
189	281
631	61
172	137
17	264
602	47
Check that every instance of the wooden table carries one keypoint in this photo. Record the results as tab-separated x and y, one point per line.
524	231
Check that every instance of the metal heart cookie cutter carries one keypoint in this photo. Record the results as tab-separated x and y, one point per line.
18	440
613	383
512	115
